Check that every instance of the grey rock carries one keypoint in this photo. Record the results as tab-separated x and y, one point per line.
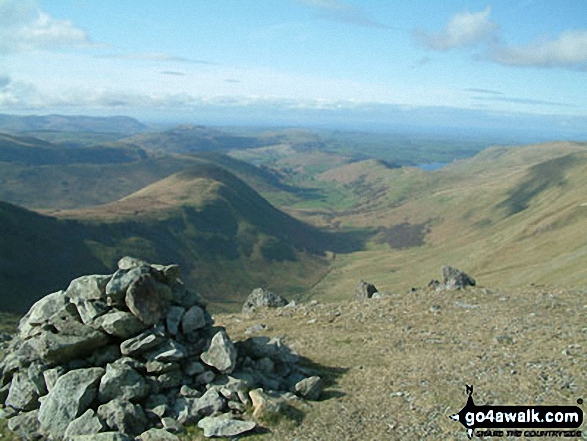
159	367
192	320
310	388
74	340
120	281
90	309
171	425
104	436
148	299
453	278
224	427
88	288
157	435
123	416
186	391
209	403
123	382
142	342
121	324
181	410
168	351
42	311
205	377
173	319
193	367
23	393
87	423
128	361
184	297
169	380
70	397
365	290
107	354
256	328
274	348
221	354
25	425
170	272
128	262
262	298
51	376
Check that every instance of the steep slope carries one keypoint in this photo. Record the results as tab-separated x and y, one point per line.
510	216
228	239
38	255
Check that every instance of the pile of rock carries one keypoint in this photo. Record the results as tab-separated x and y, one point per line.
261	298
452	278
365	290
136	354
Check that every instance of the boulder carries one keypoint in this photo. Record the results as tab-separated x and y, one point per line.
262	298
86	424
117	286
123	416
365	290
310	388
193	319
264	406
157	435
23	394
25	425
123	382
221	354
148	299
121	324
453	278
224	427
173	319
70	397
209	403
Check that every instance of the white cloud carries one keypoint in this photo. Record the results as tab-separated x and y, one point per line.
155	56
25	27
463	29
569	49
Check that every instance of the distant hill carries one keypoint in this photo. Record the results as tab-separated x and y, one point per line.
226	237
33	151
64	123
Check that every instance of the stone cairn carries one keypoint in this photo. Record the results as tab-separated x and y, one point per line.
452	278
136	354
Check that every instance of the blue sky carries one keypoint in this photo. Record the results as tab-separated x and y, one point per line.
507	64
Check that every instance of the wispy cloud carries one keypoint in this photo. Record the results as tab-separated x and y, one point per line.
5	80
488	91
342	12
569	49
462	30
529	101
172	73
154	56
25	27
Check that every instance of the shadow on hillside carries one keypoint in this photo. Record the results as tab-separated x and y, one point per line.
329	375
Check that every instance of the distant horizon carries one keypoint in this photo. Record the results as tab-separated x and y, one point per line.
507	67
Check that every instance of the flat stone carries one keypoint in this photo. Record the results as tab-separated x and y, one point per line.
221	354
172	425
148	299
128	262
42	311
121	324
168	351
264	406
91	309
142	342
224	427
123	382
70	397
209	403
157	435
86	424
159	367
88	288
104	436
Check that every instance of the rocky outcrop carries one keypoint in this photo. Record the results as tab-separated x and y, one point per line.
262	298
136	354
365	290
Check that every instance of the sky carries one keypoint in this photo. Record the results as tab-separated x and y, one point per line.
504	65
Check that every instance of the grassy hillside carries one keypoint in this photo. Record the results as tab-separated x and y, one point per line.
227	238
64	123
510	216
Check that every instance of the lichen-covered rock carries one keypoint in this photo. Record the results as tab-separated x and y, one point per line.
148	299
157	435
453	278
224	427
86	424
262	298
123	382
193	319
25	425
221	354
123	416
121	324
70	397
310	388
